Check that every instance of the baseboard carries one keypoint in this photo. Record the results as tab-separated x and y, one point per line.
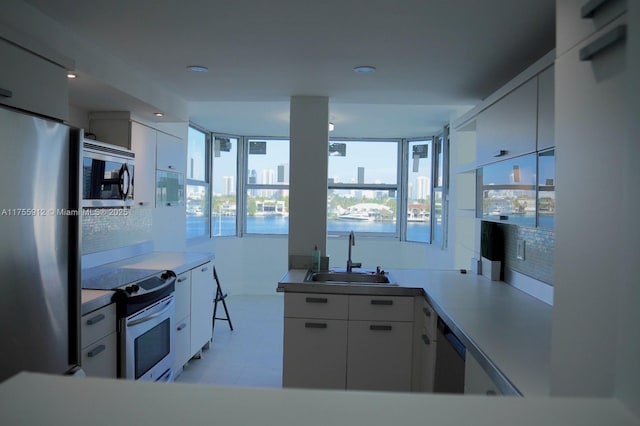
531	286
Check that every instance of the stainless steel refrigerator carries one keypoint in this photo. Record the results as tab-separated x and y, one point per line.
40	243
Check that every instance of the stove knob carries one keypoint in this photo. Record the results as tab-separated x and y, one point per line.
129	289
164	275
135	287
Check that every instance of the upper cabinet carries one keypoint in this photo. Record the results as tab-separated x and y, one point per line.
32	83
546	122
170	154
508	127
581	18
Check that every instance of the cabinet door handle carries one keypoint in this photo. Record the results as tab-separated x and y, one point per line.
95	351
426	340
381	302
181	326
96	319
590	9
315	325
205	269
181	279
491	393
380	327
170	167
427	312
618	34
6	93
316	300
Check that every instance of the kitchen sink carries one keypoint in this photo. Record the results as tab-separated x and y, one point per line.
354	277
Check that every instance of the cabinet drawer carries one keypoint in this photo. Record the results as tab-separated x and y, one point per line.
379	356
315	353
381	308
97	324
183	295
429	320
310	305
99	359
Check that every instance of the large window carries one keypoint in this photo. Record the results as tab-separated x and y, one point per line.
363	186
197	184
266	186
224	191
419	180
379	187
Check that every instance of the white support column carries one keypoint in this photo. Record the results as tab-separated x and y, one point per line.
308	160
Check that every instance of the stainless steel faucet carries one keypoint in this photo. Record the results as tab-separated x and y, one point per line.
350	264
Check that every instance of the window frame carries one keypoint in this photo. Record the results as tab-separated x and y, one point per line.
206	184
373	187
241	230
238	184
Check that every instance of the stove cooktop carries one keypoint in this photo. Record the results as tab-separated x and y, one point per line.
117	278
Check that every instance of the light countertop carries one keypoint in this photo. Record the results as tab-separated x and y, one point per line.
37	399
507	329
178	262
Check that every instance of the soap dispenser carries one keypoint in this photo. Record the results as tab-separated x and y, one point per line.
315	259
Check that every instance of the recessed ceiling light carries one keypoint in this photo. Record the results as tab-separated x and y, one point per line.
197	68
71	74
364	69
158	114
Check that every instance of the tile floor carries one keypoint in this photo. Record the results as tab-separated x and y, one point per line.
248	356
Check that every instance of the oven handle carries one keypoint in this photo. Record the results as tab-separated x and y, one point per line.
167	306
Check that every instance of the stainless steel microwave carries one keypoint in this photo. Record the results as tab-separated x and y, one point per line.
107	175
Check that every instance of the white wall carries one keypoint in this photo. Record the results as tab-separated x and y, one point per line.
627	380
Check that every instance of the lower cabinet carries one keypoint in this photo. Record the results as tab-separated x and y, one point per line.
183	321
99	343
379	355
202	295
425	347
194	313
348	342
314	353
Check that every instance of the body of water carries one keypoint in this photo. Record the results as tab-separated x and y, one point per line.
225	226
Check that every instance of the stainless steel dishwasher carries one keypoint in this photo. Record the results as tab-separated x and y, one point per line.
450	356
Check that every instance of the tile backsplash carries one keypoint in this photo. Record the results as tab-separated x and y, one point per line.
107	229
539	251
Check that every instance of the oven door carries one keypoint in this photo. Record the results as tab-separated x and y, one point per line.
148	342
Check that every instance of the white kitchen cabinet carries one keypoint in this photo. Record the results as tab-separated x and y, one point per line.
546	110
379	355
476	380
379	347
143	144
339	341
32	83
508	128
425	344
99	356
315	340
591	137
575	27
202	294
171	153
314	354
183	320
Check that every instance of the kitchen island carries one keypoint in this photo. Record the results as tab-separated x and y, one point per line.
506	329
38	399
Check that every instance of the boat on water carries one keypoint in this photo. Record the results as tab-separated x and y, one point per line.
361	217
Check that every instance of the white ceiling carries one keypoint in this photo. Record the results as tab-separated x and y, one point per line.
433	57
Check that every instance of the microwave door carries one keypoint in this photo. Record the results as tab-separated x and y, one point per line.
103	179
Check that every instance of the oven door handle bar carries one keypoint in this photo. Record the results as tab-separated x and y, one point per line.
168	306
